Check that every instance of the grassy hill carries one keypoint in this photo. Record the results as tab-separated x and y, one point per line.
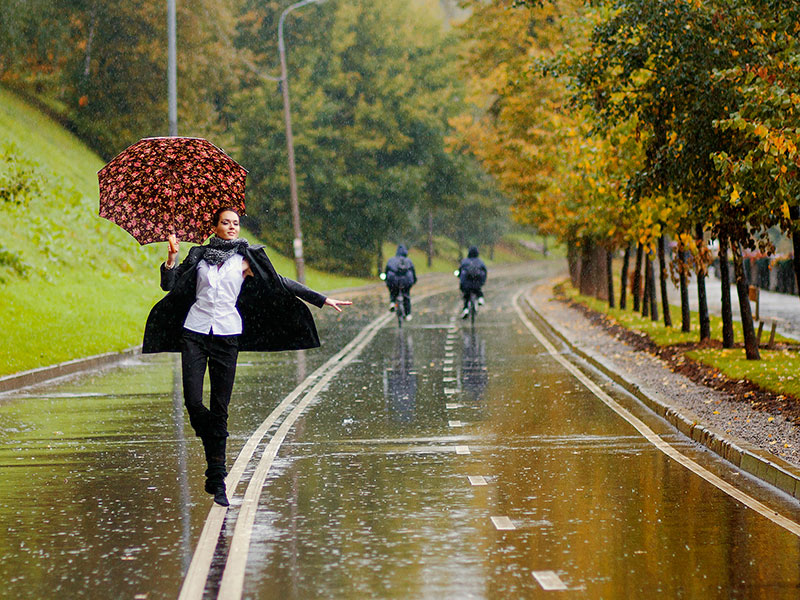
72	284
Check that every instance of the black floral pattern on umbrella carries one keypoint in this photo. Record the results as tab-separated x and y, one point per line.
165	185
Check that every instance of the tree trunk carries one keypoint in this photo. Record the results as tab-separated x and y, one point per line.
87	61
646	286
637	279
651	289
379	257
610	277
573	264
599	272
794	214
587	287
662	276
623	287
651	283
750	342
686	313
702	299
725	283
430	238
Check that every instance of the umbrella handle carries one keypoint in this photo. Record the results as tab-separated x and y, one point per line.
173	243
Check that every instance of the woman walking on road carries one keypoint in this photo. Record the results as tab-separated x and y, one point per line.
225	297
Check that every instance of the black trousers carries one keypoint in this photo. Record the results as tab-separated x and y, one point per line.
219	353
466	291
394	291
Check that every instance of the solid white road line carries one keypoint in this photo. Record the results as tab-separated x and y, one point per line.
652	437
195	580
476	480
232	582
462	450
454	423
549	580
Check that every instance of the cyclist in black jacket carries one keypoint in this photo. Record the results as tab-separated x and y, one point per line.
472	277
400	275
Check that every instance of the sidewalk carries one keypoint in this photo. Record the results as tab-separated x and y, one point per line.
765	446
772	304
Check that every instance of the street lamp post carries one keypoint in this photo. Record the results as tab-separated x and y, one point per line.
287	115
172	79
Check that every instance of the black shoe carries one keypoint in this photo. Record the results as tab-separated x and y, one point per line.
218	491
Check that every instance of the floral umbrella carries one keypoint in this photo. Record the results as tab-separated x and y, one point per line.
165	185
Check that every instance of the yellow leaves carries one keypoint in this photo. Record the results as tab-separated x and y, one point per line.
785	210
735	196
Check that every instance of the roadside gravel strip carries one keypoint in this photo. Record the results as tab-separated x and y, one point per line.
767	448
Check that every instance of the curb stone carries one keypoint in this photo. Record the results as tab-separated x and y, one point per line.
747	457
23	379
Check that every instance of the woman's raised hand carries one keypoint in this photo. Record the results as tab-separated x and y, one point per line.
172	251
335	304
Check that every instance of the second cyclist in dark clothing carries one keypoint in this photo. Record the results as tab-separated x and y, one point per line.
472	277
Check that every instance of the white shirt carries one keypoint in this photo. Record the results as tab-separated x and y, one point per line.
217	291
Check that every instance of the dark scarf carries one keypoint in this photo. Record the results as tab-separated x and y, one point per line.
219	250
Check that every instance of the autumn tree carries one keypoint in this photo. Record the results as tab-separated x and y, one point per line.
372	89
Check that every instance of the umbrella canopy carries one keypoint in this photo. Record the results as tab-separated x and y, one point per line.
165	185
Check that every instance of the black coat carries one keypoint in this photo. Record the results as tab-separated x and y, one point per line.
273	318
477	264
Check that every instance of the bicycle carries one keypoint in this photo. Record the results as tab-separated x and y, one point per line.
473	307
400	307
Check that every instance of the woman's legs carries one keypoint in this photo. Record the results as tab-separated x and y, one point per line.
211	425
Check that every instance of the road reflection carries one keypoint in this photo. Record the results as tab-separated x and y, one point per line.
400	380
474	375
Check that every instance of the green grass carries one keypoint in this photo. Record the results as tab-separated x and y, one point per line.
778	370
445	257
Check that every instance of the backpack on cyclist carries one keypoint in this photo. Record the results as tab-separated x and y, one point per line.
473	272
403	267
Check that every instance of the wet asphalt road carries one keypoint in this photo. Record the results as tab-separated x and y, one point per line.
396	482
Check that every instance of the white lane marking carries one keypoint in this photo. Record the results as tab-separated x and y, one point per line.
448	361
503	523
652	437
549	580
232	582
452	405
194	582
476	480
450	391
462	450
449	379
454	423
